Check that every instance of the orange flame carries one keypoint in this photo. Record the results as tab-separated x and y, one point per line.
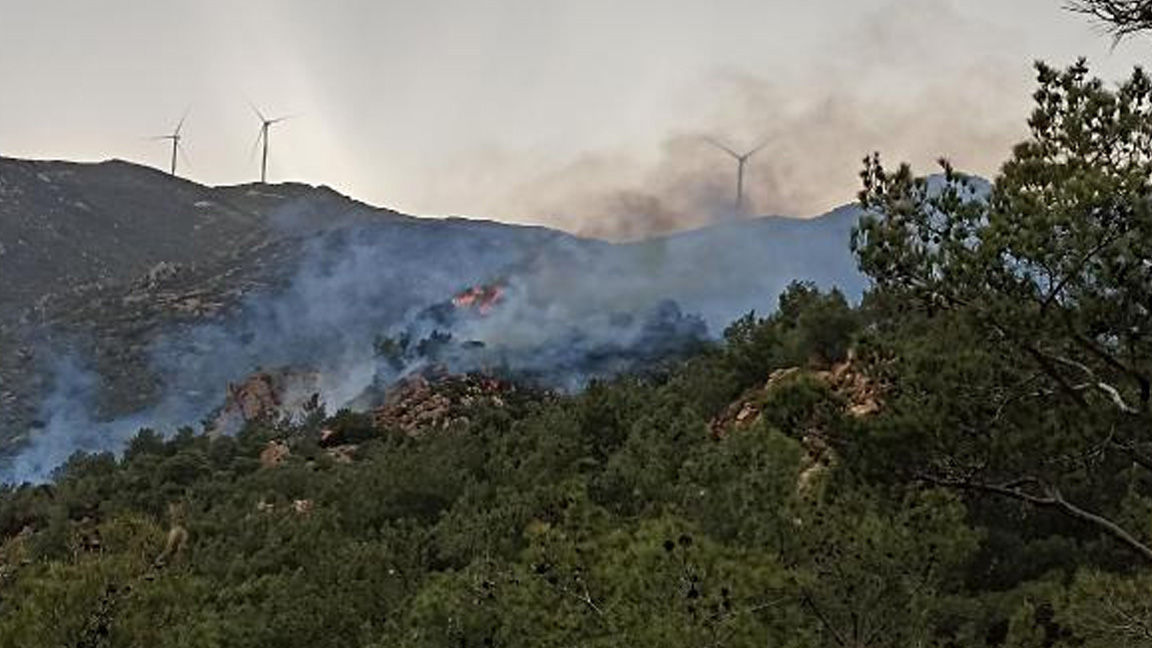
482	299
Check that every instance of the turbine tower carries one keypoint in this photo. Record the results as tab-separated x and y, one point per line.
262	137
175	137
741	164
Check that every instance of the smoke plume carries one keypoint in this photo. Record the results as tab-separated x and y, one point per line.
916	81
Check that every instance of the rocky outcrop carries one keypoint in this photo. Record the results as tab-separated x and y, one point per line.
275	454
860	394
745	411
420	404
267	396
258	397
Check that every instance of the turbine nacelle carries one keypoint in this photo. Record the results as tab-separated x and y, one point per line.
740	157
175	137
262	138
741	163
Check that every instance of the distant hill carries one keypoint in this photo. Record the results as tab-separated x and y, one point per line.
725	270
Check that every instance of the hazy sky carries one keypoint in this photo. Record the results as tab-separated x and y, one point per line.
581	113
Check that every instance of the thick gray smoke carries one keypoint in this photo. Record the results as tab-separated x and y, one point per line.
572	309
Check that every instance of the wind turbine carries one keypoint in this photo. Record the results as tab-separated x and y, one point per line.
175	137
265	125
741	164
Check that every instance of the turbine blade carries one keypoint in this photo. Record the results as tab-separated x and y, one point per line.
256	144
259	115
722	147
184	155
282	119
759	147
183	118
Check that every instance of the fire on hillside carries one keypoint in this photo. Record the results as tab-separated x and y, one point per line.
480	299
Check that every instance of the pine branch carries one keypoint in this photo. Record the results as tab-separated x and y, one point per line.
1049	497
1122	18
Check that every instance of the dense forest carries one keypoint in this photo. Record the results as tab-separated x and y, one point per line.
963	459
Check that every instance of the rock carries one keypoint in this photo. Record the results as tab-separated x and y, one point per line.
866	408
862	393
780	375
266	396
344	454
747	412
255	398
275	454
329	438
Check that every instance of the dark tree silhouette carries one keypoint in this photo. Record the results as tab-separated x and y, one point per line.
1121	18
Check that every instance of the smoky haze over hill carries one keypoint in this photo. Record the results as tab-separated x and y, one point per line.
581	116
297	277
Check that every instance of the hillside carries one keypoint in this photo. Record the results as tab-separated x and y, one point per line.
74	227
170	291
